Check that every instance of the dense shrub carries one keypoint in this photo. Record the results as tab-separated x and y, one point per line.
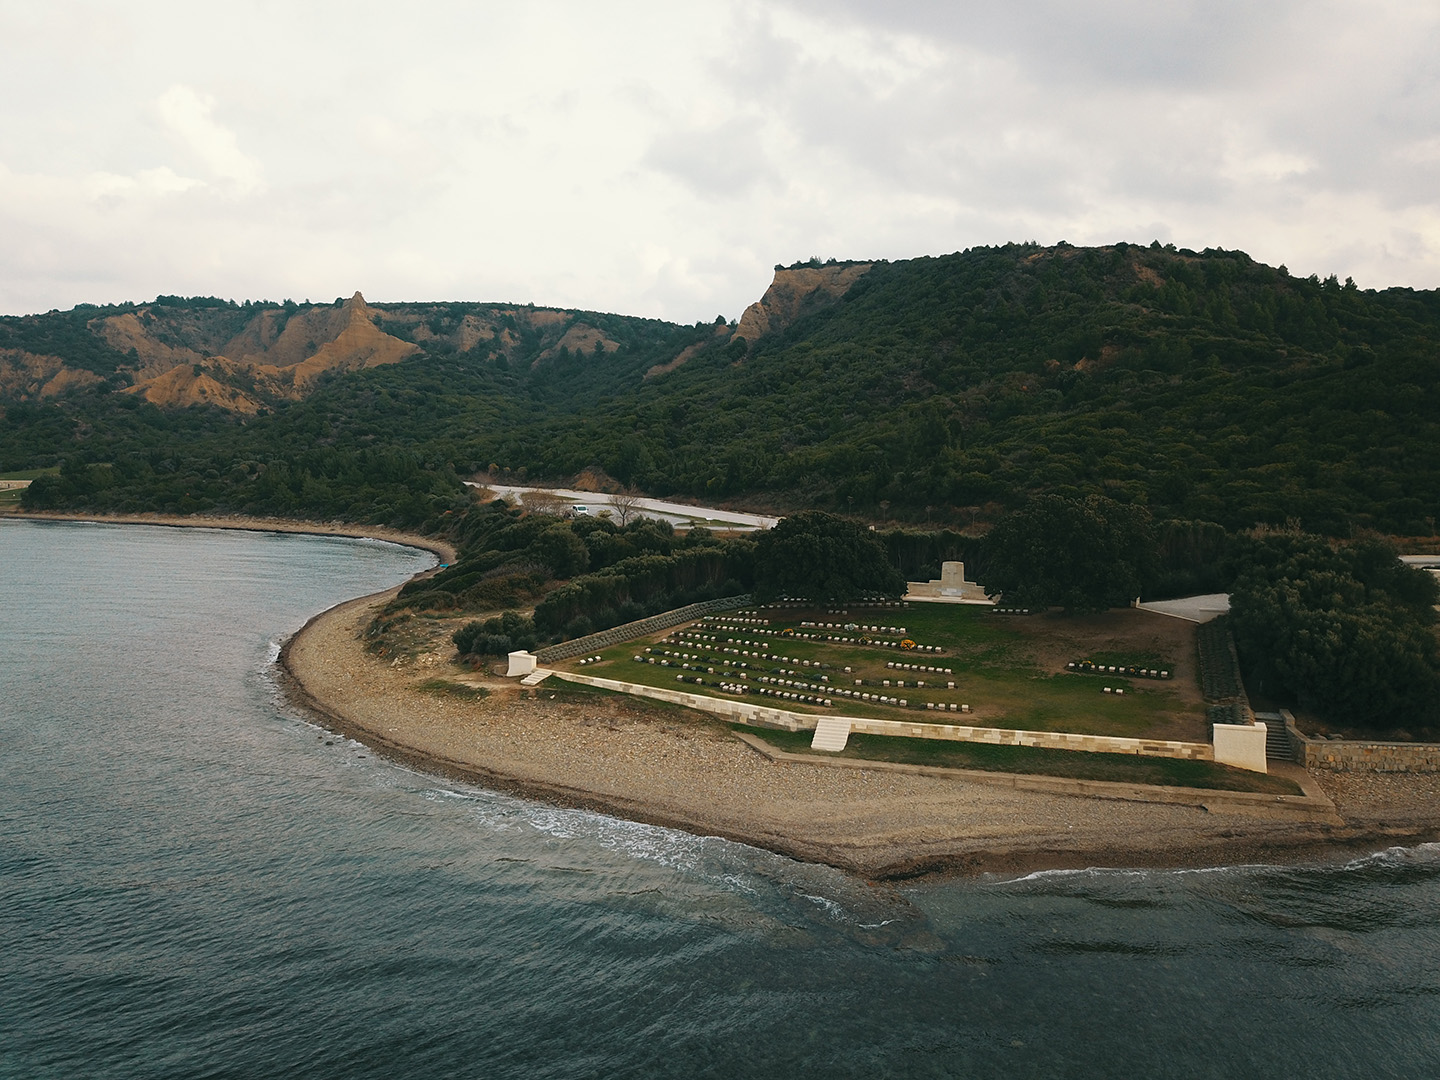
1347	631
498	636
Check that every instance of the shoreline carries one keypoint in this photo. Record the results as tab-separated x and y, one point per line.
439	548
664	766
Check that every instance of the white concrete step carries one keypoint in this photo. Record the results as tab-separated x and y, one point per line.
831	733
535	678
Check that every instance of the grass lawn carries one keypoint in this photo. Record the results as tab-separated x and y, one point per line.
1070	764
1009	670
31	474
10	500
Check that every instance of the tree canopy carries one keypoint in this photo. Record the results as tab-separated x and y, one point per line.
825	558
1080	554
1203	385
1346	631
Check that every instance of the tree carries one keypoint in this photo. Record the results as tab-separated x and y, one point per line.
627	505
1347	632
1082	555
562	551
822	557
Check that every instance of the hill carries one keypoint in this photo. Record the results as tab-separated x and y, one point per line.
1204	385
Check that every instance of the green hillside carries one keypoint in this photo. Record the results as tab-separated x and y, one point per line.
1208	386
943	390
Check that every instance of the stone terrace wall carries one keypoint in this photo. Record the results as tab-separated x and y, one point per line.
1224	689
1361	755
653	625
749	712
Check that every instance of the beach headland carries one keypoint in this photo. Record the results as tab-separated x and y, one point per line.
661	764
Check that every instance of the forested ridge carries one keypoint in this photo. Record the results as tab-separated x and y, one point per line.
1202	385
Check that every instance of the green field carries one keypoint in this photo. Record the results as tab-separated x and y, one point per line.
991	661
1070	764
9	500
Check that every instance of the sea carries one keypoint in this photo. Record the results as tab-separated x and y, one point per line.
196	880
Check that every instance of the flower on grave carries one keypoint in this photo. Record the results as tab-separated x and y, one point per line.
907	644
787	632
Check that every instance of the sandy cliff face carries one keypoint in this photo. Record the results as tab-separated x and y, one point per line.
351	339
184	385
791	294
581	338
280	353
794	293
25	375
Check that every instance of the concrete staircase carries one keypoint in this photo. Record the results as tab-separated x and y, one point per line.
831	733
536	677
1277	741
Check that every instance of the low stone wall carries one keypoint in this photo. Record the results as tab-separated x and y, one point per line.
741	712
746	712
1049	740
1360	755
653	625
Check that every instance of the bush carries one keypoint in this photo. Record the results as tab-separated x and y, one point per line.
497	636
823	557
1345	631
1082	555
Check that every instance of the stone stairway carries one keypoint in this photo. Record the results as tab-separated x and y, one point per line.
1277	742
536	677
831	733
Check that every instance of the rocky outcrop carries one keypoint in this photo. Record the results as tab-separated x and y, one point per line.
279	353
796	292
25	375
190	384
583	339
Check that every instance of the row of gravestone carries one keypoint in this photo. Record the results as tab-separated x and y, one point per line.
653	625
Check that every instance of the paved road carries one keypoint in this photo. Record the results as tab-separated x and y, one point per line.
1192	608
673	512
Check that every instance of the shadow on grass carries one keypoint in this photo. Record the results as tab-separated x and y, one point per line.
1069	764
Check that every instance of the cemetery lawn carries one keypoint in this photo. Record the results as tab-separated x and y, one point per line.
1068	764
10	497
1010	670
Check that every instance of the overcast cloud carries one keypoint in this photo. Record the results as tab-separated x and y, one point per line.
657	159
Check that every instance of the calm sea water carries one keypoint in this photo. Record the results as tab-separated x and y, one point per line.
194	881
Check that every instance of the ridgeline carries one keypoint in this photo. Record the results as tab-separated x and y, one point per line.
943	391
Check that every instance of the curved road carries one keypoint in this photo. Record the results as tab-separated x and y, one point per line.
673	512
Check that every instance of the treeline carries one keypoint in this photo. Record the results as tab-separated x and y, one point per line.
938	392
1203	385
586	574
373	486
1346	631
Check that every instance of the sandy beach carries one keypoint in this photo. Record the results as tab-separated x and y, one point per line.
669	766
661	764
440	548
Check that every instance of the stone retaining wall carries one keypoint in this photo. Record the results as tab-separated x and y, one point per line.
1049	740
747	712
640	628
740	712
1360	755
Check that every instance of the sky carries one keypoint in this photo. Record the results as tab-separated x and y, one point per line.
658	159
